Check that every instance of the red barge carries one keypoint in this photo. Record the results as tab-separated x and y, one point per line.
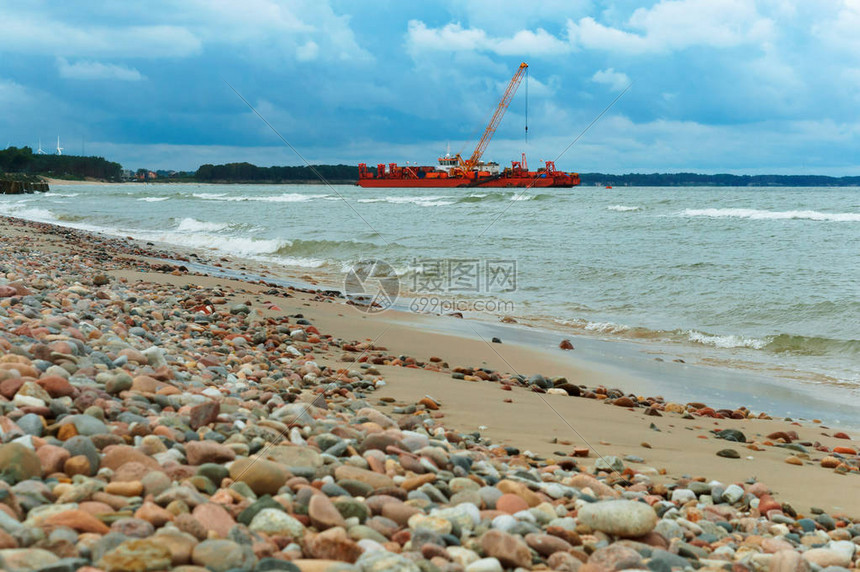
454	171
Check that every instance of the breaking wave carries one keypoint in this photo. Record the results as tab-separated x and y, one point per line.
756	214
622	208
726	341
781	344
194	225
419	201
153	199
329	248
283	198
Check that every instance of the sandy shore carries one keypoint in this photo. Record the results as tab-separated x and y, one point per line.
667	440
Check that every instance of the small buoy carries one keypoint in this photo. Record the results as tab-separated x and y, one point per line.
608	186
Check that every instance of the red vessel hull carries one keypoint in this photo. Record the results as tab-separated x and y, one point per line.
504	182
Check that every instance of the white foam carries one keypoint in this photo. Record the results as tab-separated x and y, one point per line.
726	341
17	210
622	208
153	199
284	198
756	214
522	197
194	225
241	246
301	262
55	194
287	198
606	327
419	201
260	249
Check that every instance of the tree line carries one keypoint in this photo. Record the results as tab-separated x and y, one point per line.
721	180
248	173
23	161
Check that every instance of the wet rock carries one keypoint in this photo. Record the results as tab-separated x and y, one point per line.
731	435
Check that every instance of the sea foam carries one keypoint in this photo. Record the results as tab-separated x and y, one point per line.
756	214
194	225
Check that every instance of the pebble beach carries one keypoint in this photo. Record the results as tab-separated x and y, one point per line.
158	419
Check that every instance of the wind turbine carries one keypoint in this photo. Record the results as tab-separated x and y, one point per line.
39	151
59	149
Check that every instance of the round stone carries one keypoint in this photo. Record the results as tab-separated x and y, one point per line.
623	518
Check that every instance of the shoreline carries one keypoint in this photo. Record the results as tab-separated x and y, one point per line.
155	418
647	368
613	430
668	340
652	366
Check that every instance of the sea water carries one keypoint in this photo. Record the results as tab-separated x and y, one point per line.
765	278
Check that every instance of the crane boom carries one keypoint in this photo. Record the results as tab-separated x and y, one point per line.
497	117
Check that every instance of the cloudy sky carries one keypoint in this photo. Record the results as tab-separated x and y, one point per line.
740	86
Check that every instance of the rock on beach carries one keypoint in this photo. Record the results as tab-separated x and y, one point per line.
624	518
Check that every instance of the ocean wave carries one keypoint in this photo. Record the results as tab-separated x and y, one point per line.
70	218
606	327
236	245
283	198
622	208
17	210
194	225
811	346
66	195
756	214
350	247
725	341
153	199
288	198
419	201
209	196
480	198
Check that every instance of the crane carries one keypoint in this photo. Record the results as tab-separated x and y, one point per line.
470	163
